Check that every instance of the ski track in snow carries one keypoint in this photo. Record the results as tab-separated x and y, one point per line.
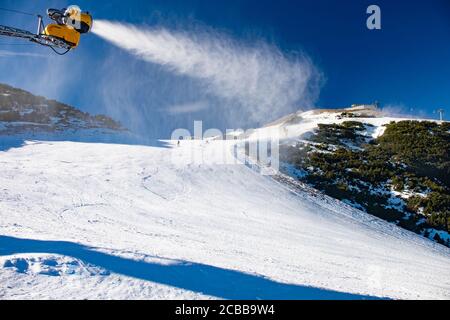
105	221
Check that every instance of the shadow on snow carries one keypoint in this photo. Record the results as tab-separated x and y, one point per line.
18	141
200	278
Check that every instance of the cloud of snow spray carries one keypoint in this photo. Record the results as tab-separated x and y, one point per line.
402	111
258	78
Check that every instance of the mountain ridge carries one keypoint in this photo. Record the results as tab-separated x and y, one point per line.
395	168
22	112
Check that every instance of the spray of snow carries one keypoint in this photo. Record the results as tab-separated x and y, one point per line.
257	77
403	111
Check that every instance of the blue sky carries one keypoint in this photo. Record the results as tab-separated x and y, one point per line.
406	65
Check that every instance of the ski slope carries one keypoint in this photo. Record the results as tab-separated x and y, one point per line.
110	221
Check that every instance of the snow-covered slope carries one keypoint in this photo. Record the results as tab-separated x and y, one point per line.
300	129
302	123
92	220
22	112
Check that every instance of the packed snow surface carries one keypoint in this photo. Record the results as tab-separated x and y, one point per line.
111	221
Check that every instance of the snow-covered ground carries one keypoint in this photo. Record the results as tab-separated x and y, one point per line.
111	221
301	124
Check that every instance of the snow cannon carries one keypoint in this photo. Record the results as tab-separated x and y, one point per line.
64	34
70	24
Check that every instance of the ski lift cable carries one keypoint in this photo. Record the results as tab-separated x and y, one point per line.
16	44
18	12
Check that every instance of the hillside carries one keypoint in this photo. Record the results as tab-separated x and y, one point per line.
21	111
115	221
395	169
118	221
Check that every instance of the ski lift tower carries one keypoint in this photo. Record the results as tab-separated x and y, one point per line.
441	114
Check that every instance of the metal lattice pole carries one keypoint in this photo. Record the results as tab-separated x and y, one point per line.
441	114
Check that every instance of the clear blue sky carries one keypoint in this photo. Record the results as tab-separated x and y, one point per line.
405	64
